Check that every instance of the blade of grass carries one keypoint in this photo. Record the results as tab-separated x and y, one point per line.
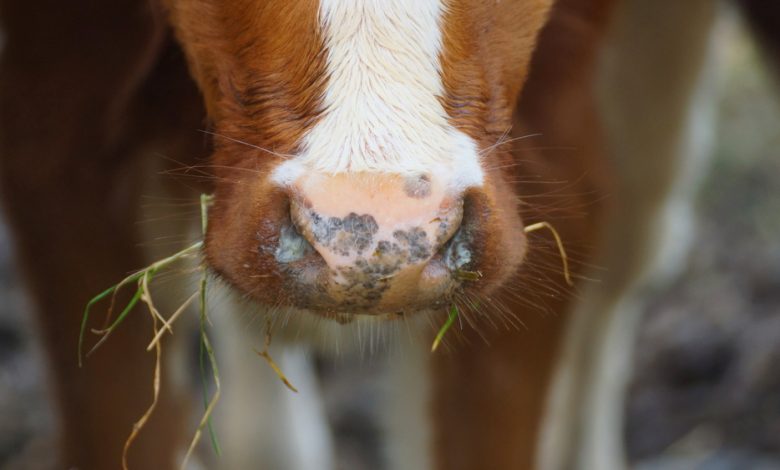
265	355
146	297
85	317
561	250
270	360
154	267
118	321
128	280
205	350
468	275
206	419
143	293
206	345
139	425
205	202
447	325
182	308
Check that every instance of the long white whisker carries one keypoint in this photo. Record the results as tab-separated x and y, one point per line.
502	141
215	134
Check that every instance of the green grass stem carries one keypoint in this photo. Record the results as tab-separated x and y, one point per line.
443	330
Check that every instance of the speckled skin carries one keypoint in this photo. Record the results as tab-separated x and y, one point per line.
366	265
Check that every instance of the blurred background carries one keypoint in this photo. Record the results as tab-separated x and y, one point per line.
706	392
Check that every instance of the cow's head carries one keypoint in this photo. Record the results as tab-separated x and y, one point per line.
356	162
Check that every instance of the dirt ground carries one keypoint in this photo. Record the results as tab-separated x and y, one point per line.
707	389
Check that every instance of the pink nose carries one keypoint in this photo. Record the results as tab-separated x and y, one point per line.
380	237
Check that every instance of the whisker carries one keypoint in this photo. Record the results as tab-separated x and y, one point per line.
237	141
503	141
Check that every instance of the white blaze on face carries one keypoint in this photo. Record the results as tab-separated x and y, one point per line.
382	109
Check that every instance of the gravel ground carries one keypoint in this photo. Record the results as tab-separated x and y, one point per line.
25	419
707	392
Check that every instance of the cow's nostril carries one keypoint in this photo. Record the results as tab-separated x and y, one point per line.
458	254
457	251
373	243
292	245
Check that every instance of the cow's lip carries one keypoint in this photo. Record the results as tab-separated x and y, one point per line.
346	314
332	310
440	281
345	318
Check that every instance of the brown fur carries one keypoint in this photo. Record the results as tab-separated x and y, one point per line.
485	56
83	87
498	383
75	113
261	69
262	72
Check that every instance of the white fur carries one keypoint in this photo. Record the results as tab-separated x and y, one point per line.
261	423
382	100
406	413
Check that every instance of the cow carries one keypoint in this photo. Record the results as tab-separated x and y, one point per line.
372	163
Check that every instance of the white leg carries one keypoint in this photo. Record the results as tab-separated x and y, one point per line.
262	424
406	410
656	88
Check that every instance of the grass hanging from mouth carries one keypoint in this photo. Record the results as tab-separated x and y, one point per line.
474	276
138	425
160	325
205	351
267	356
443	330
142	294
559	242
141	290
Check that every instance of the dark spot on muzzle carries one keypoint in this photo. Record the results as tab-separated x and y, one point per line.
415	244
418	187
342	235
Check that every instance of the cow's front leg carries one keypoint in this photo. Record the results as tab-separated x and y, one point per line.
69	78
